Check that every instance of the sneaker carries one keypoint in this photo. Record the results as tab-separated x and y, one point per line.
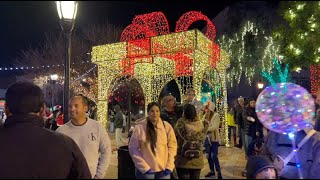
244	173
210	174
219	176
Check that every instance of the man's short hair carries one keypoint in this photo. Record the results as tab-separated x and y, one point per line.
84	99
240	99
24	97
165	99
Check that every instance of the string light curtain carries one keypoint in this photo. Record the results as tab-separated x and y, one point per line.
315	78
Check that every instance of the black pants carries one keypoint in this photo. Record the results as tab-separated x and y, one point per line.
240	136
188	173
234	131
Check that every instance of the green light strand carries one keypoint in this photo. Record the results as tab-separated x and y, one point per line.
269	78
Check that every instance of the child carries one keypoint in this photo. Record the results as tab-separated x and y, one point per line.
255	147
260	167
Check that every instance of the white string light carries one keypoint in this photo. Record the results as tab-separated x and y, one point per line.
86	73
35	67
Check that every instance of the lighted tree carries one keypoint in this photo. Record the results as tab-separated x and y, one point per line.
251	51
300	37
48	57
245	32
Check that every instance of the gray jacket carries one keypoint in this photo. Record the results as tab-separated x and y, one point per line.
118	120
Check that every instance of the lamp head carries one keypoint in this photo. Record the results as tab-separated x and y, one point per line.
54	77
260	85
67	11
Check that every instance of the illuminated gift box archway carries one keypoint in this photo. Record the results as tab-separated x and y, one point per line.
154	57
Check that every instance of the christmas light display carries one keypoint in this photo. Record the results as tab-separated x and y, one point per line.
299	37
315	78
190	17
35	67
277	77
251	51
154	57
285	110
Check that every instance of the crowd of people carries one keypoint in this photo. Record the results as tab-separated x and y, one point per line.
266	150
169	143
179	137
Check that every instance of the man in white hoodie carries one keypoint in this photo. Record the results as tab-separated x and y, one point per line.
91	137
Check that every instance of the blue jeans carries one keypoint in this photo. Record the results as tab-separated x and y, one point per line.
212	156
243	137
248	140
156	175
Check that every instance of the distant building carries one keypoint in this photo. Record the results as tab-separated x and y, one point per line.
2	93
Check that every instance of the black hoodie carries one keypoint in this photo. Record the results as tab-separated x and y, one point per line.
256	164
30	151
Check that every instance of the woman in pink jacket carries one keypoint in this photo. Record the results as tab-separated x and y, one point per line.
153	146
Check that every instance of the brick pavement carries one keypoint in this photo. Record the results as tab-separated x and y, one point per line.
232	162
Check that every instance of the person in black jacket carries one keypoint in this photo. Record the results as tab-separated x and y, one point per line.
30	151
170	112
238	118
250	120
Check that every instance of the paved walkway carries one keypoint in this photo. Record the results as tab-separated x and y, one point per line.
232	162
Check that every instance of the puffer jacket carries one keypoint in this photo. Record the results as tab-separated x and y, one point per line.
191	130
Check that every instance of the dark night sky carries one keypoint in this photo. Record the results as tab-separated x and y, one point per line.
23	24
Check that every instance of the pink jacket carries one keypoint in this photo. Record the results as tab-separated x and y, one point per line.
166	148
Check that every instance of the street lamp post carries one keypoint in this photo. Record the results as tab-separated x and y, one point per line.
260	85
67	11
54	78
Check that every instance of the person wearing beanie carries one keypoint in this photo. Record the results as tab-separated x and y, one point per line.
189	129
260	167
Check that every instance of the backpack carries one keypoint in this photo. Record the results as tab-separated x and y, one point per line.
190	149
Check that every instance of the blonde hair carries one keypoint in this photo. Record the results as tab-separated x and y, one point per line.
240	99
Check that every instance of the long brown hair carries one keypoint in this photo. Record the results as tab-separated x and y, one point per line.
151	132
